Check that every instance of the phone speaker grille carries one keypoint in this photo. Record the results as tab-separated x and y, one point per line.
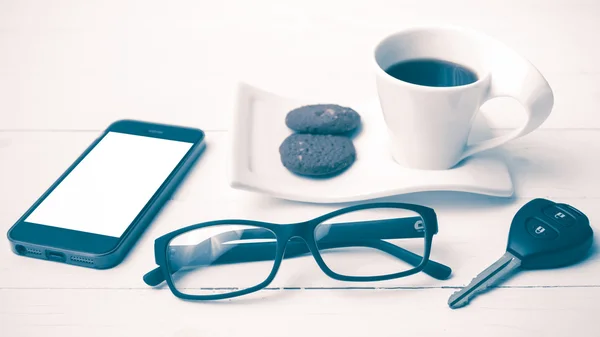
81	259
33	251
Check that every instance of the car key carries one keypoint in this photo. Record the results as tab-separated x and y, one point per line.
543	234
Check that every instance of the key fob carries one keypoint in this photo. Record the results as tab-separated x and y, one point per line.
545	234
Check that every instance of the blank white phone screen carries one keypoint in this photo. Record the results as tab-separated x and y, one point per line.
106	191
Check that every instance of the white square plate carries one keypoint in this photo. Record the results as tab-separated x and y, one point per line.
259	128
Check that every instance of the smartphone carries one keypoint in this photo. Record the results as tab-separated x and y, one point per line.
96	210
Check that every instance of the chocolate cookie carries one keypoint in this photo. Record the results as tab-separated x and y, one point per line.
317	155
322	119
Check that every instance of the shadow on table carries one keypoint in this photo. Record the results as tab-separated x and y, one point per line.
436	200
267	295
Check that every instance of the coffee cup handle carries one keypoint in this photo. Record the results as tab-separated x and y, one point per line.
513	76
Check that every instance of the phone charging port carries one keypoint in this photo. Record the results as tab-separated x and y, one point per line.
56	256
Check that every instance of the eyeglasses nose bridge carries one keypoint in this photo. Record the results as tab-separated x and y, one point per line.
302	231
299	229
301	245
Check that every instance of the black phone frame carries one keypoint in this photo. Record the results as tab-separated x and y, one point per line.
95	250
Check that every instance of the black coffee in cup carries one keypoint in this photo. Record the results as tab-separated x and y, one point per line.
432	73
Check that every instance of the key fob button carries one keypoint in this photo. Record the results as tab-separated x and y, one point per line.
559	216
541	230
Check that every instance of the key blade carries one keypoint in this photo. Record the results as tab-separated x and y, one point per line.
490	276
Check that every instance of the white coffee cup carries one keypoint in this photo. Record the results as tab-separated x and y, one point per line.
429	126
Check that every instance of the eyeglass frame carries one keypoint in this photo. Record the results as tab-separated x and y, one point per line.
306	231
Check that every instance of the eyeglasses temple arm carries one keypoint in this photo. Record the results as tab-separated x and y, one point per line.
432	268
385	229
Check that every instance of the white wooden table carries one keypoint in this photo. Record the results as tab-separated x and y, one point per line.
69	68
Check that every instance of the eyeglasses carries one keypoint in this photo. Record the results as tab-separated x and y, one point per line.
228	258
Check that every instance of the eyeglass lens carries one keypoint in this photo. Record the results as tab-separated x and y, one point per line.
372	242
221	259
